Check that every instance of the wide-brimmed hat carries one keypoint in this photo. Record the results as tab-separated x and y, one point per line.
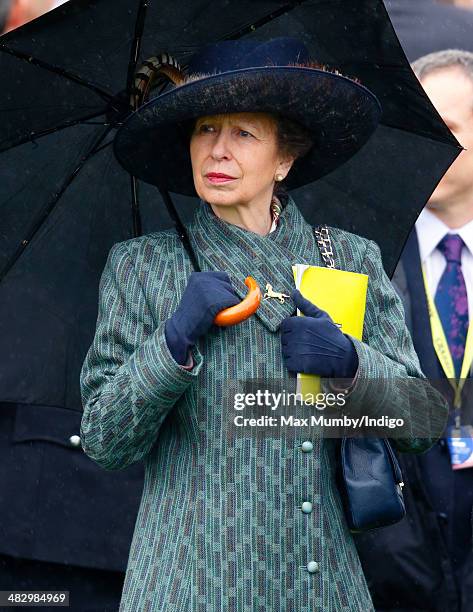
274	76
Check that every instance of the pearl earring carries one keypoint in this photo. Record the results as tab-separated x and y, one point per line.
279	177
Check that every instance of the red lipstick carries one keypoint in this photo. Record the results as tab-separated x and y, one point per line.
219	177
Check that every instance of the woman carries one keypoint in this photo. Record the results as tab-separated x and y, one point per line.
243	522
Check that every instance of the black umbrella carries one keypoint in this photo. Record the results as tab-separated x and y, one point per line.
67	80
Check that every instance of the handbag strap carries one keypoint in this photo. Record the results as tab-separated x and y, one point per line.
325	245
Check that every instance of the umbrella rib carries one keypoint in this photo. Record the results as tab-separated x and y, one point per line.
57	70
135	207
180	227
42	217
33	136
136	45
264	20
104	146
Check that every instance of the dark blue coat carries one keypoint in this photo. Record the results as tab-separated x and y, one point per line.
425	562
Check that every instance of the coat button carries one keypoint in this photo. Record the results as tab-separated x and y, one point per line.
74	440
307	446
307	507
312	567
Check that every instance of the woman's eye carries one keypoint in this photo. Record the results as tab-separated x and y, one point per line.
205	128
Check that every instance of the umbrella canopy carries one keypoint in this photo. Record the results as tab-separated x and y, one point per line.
67	79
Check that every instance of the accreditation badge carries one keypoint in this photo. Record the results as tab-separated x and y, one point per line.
460	445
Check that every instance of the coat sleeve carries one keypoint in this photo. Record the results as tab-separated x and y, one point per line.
389	380
129	379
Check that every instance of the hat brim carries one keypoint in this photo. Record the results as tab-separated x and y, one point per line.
341	115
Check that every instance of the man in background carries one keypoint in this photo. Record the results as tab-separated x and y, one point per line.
425	562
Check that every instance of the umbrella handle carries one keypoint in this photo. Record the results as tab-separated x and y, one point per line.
242	311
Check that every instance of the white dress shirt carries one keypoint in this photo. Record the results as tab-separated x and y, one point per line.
430	231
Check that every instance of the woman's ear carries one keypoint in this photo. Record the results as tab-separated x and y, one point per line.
284	166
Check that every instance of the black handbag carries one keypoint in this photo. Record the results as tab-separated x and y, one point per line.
370	483
369	476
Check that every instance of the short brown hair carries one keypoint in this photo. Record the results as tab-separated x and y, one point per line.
293	139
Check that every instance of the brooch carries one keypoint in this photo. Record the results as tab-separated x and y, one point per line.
274	294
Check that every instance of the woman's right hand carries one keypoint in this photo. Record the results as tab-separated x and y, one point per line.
206	294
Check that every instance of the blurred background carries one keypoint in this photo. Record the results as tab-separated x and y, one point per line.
463	3
14	13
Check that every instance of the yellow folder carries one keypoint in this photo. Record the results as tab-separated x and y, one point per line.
341	294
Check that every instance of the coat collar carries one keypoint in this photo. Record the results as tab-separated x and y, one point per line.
222	246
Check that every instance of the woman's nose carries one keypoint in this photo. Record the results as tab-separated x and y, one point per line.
221	145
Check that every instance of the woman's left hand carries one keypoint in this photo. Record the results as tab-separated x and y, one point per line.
313	344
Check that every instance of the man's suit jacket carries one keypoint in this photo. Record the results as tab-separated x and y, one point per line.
409	566
56	504
220	525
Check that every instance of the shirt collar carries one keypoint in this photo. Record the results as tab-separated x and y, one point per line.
430	231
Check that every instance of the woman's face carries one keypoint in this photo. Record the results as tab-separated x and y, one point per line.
235	158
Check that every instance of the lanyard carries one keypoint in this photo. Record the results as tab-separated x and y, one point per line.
443	352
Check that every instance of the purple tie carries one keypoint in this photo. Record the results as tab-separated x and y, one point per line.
451	299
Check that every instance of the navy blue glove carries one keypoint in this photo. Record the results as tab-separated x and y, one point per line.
315	345
205	295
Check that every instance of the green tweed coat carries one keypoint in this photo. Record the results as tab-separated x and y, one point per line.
220	526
